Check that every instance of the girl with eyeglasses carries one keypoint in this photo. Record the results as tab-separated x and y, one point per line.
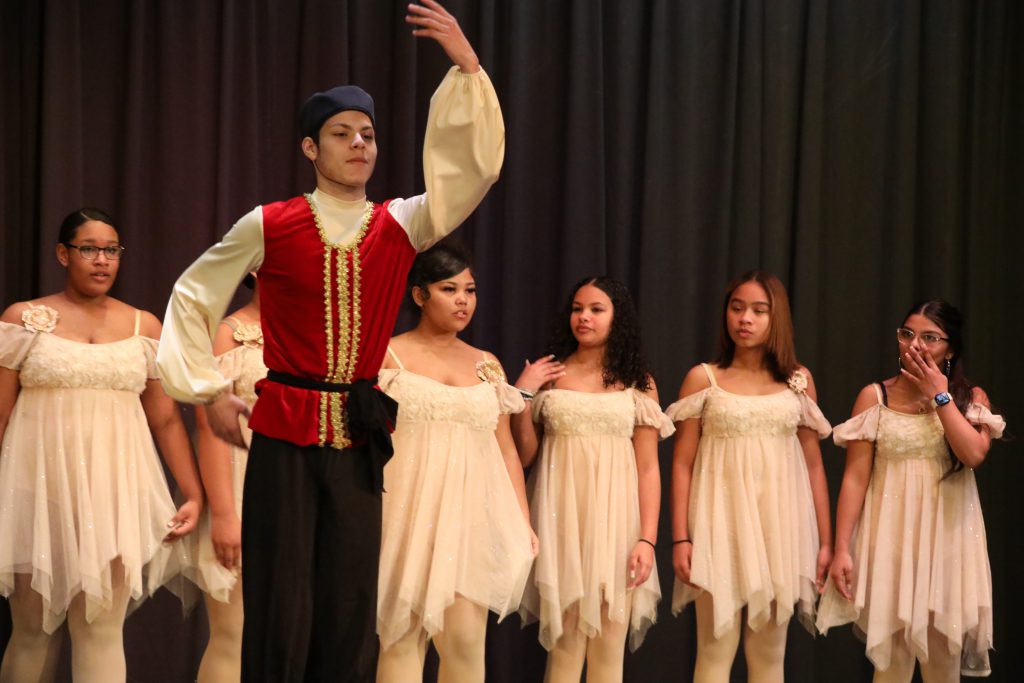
86	513
749	497
911	566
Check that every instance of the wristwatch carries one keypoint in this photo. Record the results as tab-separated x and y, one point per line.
942	399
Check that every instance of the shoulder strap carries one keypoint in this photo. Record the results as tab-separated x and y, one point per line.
711	374
394	355
138	318
880	392
231	322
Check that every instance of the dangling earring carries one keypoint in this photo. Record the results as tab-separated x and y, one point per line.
948	364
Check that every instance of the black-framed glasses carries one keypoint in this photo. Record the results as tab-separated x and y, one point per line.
906	335
89	252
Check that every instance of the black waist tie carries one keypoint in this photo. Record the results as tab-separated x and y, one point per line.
370	413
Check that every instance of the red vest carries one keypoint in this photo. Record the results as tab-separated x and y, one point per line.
327	314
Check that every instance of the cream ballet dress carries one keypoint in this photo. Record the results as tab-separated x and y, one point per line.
80	480
919	550
243	365
585	506
452	523
752	520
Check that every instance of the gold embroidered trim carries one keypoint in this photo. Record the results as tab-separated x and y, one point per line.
341	360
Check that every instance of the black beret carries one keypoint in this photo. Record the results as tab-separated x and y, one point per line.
323	105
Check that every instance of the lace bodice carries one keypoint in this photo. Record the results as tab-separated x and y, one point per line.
422	399
58	363
726	415
904	436
582	413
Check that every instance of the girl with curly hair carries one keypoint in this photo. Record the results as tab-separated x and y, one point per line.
911	449
597	489
750	508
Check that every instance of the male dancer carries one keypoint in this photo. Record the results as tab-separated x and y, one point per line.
332	269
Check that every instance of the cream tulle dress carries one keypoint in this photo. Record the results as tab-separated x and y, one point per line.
243	365
80	479
919	550
752	521
585	507
452	523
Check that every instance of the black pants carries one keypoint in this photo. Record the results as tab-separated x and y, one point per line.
311	545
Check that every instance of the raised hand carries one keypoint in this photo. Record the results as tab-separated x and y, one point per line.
435	22
538	373
923	373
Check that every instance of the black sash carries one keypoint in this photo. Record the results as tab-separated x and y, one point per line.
370	413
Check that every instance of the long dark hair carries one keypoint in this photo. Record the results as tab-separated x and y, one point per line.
624	361
780	350
74	220
951	322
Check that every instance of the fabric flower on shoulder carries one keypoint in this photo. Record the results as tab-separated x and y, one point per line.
40	318
249	335
798	382
490	371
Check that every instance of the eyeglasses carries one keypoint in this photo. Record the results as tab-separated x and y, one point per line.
906	336
89	252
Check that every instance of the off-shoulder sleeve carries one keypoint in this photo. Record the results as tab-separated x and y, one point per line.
463	151
386	377
229	363
812	417
150	347
860	427
649	414
537	406
15	342
981	416
510	401
687	407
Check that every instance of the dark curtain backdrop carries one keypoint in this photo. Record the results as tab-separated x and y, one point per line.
869	152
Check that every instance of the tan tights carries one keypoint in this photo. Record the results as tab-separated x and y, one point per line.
941	667
460	647
603	653
222	660
97	648
765	649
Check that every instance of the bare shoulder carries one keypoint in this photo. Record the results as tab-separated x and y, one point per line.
696	380
866	399
149	325
13	313
651	391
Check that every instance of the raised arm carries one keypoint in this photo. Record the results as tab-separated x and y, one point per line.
464	145
525	431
